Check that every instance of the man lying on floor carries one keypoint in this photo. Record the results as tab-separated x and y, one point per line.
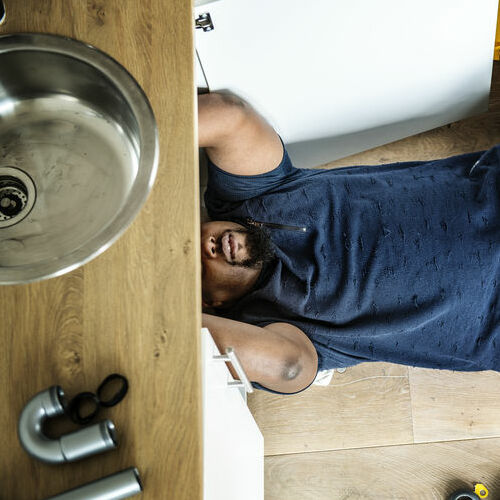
308	270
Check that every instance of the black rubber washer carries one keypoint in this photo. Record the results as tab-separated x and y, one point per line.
118	396
76	405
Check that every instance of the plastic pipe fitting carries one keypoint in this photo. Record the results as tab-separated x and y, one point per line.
124	484
88	441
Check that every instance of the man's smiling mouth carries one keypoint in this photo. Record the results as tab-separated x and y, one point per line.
228	246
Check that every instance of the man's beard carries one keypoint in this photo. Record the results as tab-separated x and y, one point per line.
259	247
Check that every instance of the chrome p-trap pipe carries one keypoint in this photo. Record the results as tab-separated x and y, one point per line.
82	443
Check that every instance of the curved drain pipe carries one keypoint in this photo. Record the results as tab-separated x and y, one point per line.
88	441
124	484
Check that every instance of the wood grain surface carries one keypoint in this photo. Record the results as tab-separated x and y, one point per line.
136	308
450	405
368	405
417	472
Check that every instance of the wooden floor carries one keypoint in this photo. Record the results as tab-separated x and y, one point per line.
383	431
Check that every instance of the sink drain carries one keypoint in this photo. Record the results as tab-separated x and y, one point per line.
17	196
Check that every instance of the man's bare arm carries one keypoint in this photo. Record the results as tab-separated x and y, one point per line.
278	356
237	139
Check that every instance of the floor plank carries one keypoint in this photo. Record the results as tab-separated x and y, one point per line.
368	405
450	405
424	472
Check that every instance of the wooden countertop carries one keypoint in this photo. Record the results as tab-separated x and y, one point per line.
136	308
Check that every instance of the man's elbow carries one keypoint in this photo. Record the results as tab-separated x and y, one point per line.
296	375
291	370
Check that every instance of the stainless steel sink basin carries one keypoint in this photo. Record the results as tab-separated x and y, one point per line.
78	154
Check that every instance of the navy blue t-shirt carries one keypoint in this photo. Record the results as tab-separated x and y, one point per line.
399	263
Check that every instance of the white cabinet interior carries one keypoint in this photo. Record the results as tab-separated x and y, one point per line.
336	77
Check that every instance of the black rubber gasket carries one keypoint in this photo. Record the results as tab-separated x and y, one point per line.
118	396
76	404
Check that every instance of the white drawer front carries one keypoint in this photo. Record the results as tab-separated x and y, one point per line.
233	454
